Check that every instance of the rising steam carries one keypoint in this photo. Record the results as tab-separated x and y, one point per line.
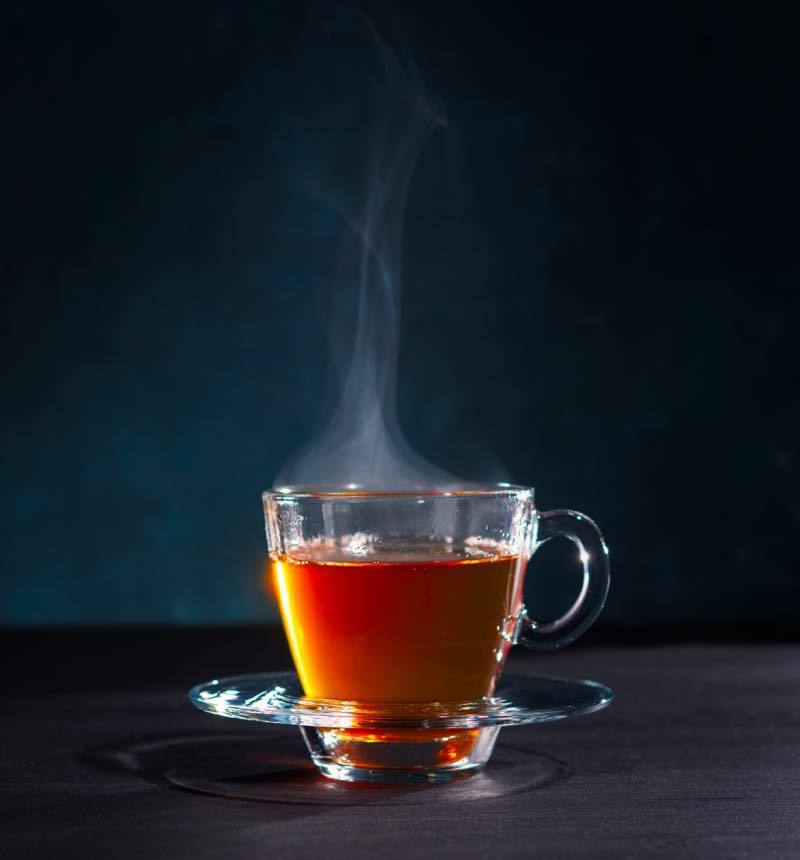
362	443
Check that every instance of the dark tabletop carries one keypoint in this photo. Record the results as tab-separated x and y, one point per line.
102	755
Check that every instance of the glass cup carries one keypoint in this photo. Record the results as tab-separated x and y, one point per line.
410	600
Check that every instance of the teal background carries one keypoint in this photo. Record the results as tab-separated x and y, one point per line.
600	292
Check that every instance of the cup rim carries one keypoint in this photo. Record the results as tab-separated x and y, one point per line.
359	491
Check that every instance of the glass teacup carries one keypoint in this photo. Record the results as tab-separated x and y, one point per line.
399	602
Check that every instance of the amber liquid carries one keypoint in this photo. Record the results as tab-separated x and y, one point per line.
429	628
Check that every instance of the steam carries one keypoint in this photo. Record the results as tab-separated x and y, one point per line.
362	443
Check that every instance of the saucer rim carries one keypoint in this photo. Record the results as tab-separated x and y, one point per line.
327	713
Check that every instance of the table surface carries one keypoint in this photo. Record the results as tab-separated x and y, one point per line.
102	755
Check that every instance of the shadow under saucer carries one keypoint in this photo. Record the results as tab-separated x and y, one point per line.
272	766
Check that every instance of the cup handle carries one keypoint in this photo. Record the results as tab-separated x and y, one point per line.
593	557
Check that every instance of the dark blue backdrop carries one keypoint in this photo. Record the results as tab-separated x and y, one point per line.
600	290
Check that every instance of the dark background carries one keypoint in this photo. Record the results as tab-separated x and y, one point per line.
600	288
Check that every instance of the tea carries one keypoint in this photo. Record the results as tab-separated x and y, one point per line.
423	626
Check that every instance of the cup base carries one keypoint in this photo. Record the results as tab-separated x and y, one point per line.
399	756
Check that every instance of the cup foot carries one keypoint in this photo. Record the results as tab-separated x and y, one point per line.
399	756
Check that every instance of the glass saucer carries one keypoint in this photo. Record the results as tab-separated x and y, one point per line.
399	743
277	697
